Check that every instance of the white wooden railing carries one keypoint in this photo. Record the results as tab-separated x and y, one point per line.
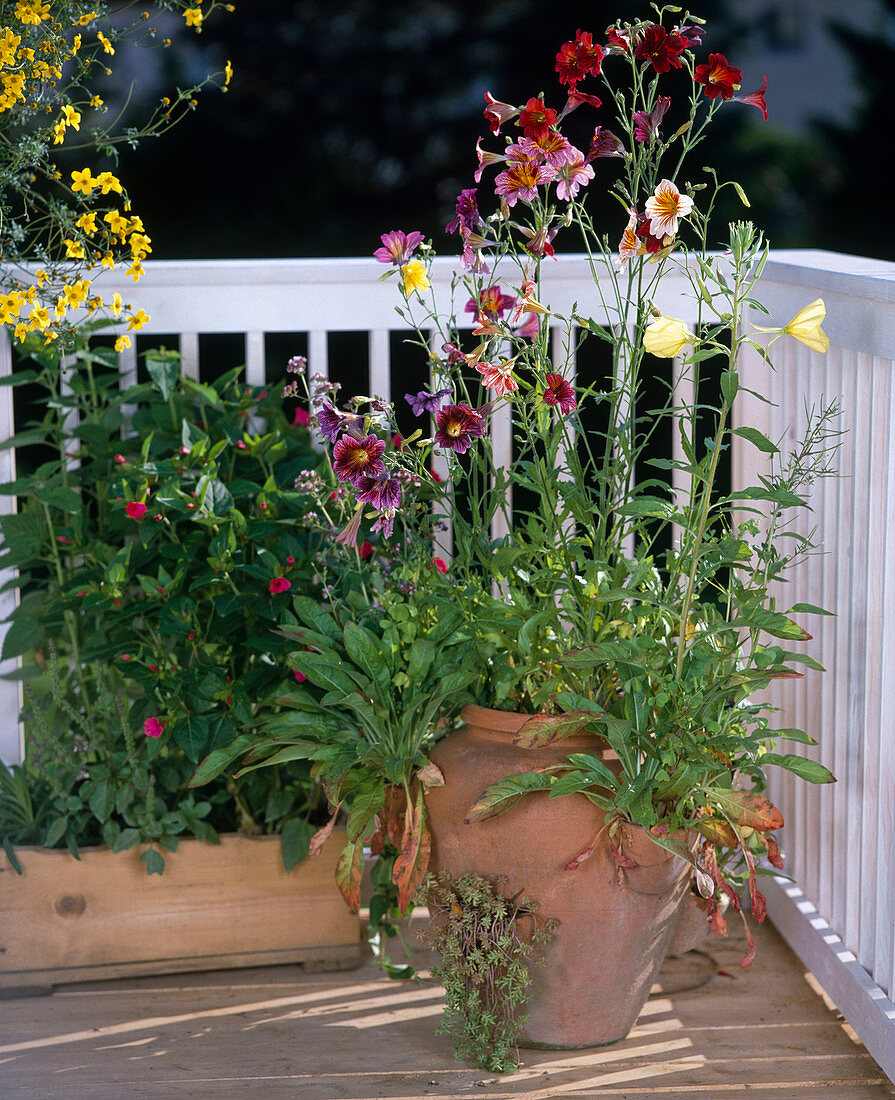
839	914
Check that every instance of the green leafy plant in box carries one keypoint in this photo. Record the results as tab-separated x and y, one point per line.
159	540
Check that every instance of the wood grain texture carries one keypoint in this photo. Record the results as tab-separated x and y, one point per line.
215	906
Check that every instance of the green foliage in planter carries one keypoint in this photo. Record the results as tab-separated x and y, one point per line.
158	541
487	944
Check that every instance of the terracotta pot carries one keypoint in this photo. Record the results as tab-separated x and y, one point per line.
615	924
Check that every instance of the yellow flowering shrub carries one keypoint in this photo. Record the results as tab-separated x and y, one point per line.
59	229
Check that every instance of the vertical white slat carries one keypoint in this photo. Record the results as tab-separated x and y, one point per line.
502	446
683	382
318	353
11	742
624	419
189	354
876	712
380	366
884	948
255	366
855	420
127	377
444	540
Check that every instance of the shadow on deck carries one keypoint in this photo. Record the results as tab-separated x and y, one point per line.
709	1030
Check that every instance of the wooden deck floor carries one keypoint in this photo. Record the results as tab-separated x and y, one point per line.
762	1034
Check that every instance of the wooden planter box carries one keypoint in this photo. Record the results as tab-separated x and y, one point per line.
214	907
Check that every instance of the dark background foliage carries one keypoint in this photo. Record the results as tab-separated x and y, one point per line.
344	120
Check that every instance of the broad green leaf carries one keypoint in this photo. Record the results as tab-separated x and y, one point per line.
774	623
422	654
295	837
757	439
55	832
214	495
164	370
503	794
102	799
809	770
368	653
808	609
319	670
544	729
316	617
300	750
730	384
127	838
218	759
154	860
791	735
646	506
590	765
366	803
61	497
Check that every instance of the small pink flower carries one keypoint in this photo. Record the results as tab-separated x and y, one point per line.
366	549
62	538
152	668
126	657
301	418
263	505
153	727
190	505
279	584
120	459
440	565
184	450
136	509
497	377
300	676
241	445
290	560
83	592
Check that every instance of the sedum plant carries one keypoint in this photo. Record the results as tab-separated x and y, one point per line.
635	594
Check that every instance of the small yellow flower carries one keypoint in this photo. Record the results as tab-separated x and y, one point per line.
72	117
76	45
116	304
83	181
135	271
122	342
74	250
193	17
117	224
39	317
108	182
85	19
228	73
137	320
87	222
96	101
107	45
805	326
59	133
666	337
415	277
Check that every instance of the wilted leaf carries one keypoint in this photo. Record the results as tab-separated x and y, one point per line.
718	831
430	776
413	860
322	835
349	872
544	729
746	808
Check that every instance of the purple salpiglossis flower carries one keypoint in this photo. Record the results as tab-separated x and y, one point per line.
382	493
458	426
604	144
691	34
425	402
331	422
467	212
385	523
357	458
398	247
646	124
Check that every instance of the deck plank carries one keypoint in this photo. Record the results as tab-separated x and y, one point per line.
761	1034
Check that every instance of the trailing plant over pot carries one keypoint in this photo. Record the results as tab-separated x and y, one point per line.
487	943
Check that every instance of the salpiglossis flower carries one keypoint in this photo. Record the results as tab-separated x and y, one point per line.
718	77
661	49
398	247
458	426
578	59
357	458
498	377
756	99
536	119
666	206
558	391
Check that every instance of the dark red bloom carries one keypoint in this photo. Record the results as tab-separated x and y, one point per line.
458	426
756	99
440	564
661	49
578	59
618	39
497	113
718	77
576	98
366	549
279	584
651	243
536	119
358	458
559	392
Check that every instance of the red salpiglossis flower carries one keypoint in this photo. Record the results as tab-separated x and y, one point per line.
578	59
559	392
357	458
661	49
458	426
650	243
536	119
604	144
756	99
576	98
719	78
646	124
491	301
497	113
618	39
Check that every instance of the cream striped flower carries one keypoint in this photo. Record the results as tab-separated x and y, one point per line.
666	206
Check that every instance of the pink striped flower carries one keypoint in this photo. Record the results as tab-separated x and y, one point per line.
153	727
356	458
559	392
498	377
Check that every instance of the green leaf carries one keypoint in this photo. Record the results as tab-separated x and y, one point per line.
218	759
746	808
366	803
295	839
102	799
58	496
808	609
646	506
368	655
55	832
154	860
25	631
127	838
320	671
316	617
503	794
164	370
214	495
730	384
755	437
808	770
791	735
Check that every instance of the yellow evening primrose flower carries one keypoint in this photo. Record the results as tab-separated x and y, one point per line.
107	45
415	277
137	320
666	337
122	342
805	326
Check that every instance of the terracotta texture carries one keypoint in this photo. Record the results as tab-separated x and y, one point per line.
615	924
